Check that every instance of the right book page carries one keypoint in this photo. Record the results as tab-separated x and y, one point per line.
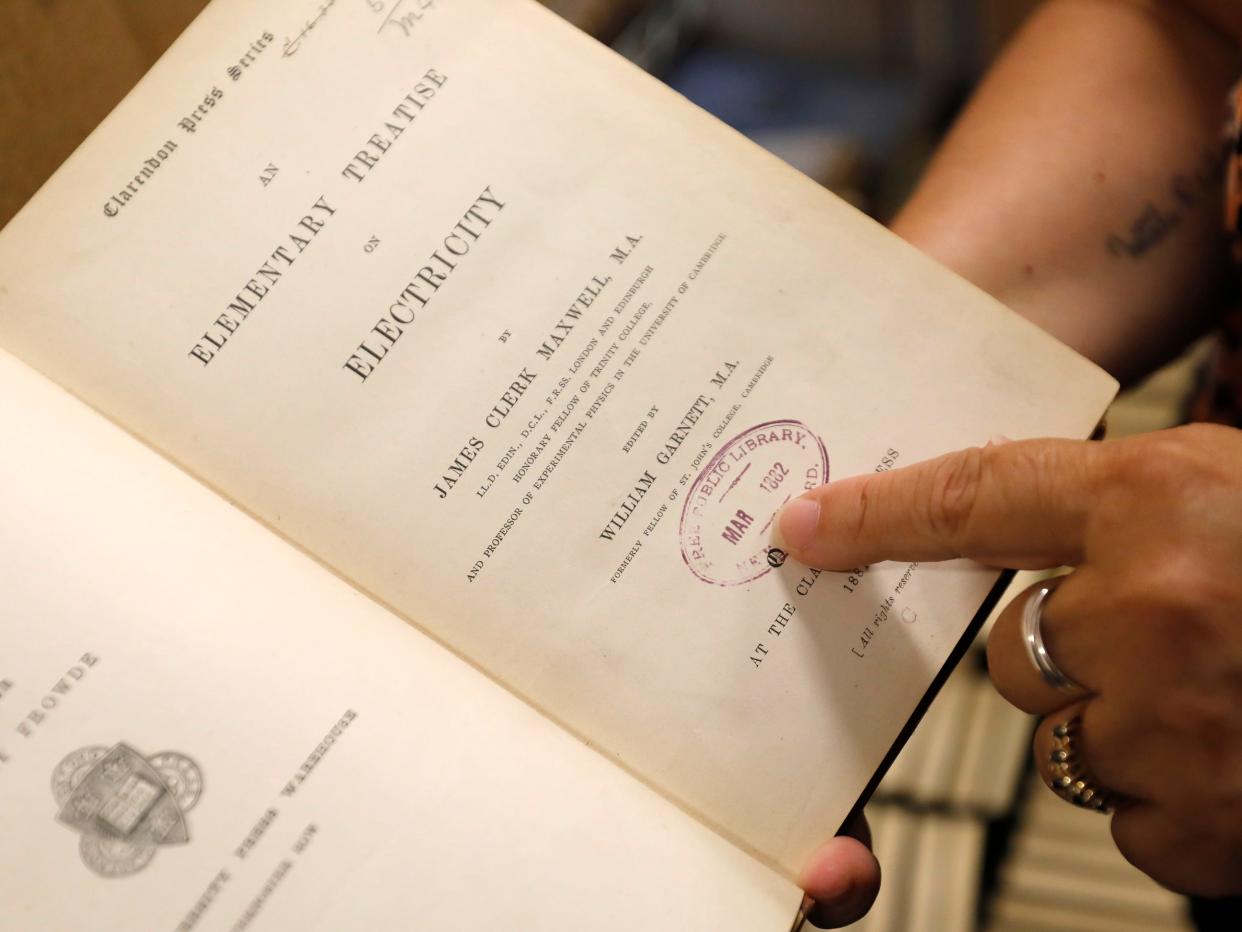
532	350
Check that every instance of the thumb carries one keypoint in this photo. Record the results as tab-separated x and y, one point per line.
843	878
1021	505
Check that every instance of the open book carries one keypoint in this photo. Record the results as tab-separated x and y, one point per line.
397	398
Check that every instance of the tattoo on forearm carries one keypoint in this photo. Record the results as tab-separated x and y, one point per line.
1160	219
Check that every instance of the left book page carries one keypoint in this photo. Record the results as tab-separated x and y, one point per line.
309	761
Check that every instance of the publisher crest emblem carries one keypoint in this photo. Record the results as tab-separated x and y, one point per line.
125	806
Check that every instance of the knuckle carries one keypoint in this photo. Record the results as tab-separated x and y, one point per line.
1175	594
1209	436
1139	466
1199	719
1160	463
953	492
861	522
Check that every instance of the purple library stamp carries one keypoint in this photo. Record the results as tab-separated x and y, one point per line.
728	514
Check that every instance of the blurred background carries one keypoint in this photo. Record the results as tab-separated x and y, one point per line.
856	95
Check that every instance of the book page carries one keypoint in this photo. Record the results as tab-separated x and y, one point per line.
202	729
532	350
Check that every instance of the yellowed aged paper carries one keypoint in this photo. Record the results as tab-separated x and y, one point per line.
316	764
532	350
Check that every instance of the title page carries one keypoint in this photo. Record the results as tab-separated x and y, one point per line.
532	351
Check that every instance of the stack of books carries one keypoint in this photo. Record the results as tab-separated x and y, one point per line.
932	816
969	839
1063	872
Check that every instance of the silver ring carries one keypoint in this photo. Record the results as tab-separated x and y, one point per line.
1033	638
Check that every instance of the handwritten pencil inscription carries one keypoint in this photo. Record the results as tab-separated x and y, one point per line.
293	43
403	15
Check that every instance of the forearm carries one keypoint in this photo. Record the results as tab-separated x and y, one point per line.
1082	184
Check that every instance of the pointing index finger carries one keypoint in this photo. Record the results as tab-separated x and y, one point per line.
1022	505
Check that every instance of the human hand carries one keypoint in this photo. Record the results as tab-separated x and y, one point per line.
843	878
1149	623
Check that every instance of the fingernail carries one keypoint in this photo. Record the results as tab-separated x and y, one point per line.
999	440
798	523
